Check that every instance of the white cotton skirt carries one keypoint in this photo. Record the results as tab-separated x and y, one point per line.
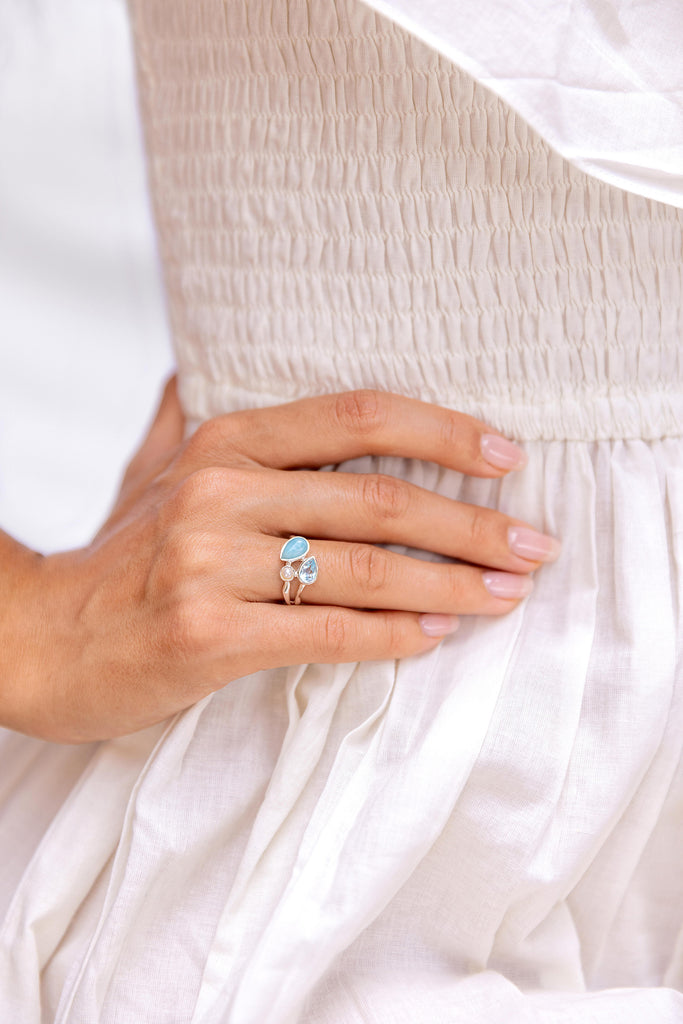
489	831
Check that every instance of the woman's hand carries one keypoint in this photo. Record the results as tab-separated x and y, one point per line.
180	593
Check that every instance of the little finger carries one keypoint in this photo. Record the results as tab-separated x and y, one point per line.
303	634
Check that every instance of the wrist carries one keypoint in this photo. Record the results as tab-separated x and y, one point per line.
34	610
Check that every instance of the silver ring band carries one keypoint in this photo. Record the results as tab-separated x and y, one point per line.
296	549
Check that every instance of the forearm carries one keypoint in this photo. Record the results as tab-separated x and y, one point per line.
21	634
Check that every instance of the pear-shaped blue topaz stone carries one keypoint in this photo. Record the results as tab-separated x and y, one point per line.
308	571
295	547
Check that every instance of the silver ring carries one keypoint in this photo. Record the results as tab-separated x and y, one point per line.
296	550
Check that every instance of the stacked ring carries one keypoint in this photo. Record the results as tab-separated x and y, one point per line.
296	550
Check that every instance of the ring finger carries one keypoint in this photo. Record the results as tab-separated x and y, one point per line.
360	575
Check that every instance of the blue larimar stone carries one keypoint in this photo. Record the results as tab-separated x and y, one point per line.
308	570
295	547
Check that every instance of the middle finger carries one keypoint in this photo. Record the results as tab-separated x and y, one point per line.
380	508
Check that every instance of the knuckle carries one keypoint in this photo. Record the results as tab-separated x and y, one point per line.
385	496
210	436
456	589
452	434
200	488
173	566
334	633
178	555
185	631
199	621
479	532
396	633
194	552
368	567
363	411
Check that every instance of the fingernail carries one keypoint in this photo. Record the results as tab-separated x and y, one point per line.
501	453
533	545
438	625
507	585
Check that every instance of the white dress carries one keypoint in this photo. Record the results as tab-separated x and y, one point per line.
490	832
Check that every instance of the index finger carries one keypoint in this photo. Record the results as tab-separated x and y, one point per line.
313	432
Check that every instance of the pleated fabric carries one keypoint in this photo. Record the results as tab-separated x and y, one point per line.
487	832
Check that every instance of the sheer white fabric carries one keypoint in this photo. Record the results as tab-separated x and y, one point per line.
490	832
602	80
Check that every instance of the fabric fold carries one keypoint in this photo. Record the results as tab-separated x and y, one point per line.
602	82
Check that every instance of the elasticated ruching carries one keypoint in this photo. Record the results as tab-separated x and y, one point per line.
341	207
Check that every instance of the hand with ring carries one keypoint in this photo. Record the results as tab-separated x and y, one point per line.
187	585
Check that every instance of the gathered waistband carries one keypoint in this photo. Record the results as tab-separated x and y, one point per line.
614	415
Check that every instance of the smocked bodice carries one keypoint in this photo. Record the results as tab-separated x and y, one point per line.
339	206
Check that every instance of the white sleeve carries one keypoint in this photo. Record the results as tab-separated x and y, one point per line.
601	81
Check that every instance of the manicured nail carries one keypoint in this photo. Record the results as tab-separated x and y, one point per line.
438	625
537	547
507	585
501	453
